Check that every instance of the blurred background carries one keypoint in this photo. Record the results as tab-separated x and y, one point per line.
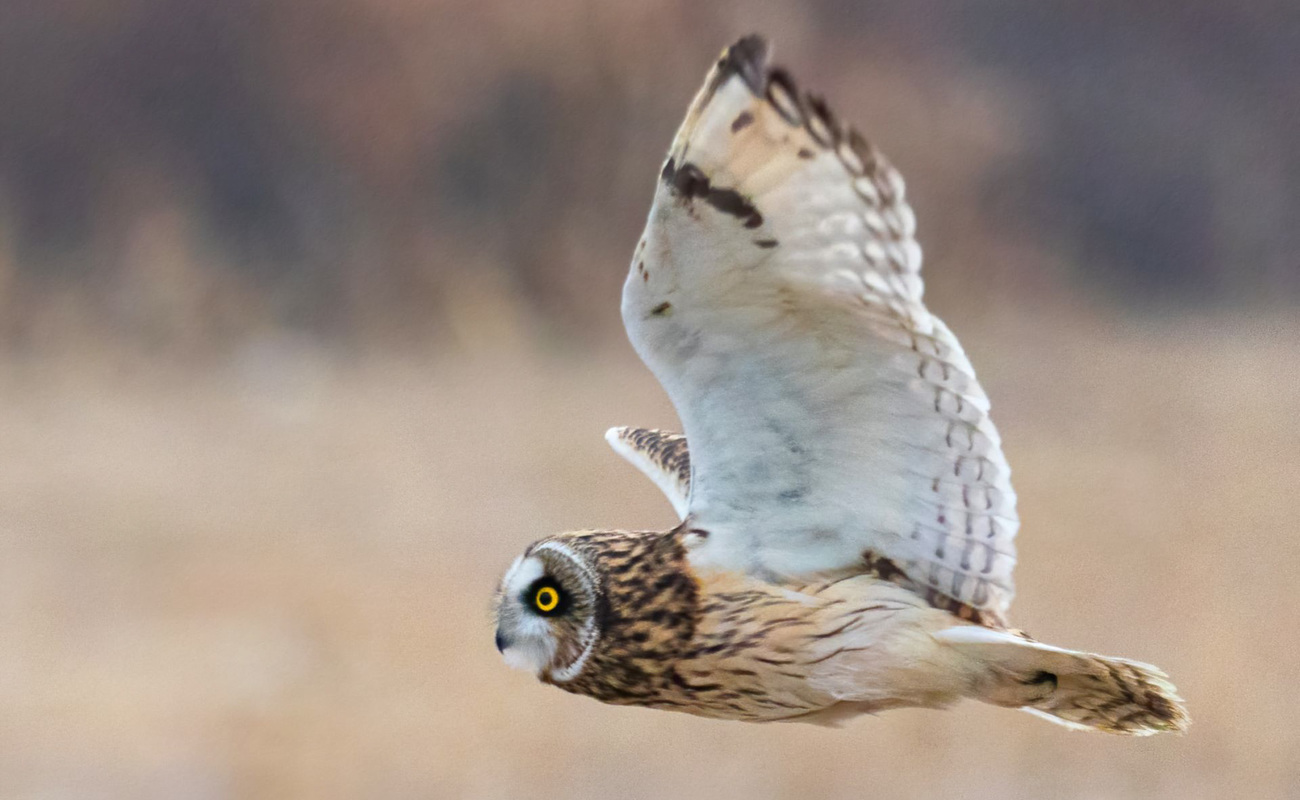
309	323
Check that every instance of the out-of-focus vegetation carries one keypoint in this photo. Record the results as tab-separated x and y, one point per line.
309	324
183	171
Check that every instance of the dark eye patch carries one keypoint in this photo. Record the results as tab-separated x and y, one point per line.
546	597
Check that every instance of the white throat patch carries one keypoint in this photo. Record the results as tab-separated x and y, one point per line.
532	646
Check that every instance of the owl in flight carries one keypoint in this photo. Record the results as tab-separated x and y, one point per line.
848	522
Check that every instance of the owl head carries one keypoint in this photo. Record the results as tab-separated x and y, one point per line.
547	611
598	612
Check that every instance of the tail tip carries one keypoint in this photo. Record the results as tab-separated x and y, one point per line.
1140	701
1166	713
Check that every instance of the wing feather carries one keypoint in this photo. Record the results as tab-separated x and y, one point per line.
661	456
834	421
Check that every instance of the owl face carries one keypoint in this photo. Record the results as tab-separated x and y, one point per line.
546	611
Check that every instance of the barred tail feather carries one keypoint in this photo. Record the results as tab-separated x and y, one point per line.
1082	691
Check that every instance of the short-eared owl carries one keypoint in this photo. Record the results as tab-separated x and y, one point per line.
848	523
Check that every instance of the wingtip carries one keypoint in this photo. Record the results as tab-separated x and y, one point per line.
747	58
616	434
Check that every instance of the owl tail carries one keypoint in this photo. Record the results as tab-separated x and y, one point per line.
1083	691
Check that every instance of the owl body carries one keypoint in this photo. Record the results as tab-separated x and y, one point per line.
848	521
719	644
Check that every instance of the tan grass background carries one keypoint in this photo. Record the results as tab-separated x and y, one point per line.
269	577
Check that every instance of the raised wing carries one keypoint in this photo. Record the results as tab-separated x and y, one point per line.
661	456
835	424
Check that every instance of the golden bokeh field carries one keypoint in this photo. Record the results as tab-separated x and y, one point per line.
270	577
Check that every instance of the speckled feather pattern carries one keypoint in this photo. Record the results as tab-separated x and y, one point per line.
667	451
722	645
662	456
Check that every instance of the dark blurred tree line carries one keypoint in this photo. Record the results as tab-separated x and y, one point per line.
195	170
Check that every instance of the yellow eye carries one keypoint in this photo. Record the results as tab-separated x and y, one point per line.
546	599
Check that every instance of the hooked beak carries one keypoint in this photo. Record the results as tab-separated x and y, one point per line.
502	641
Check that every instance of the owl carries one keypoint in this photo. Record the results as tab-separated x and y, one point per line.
848	525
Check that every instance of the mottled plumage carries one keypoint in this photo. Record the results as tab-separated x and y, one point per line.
661	456
848	522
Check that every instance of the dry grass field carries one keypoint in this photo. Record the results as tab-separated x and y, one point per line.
270	577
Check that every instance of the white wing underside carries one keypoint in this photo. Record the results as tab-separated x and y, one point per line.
776	295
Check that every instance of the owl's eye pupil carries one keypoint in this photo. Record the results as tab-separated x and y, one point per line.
546	599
